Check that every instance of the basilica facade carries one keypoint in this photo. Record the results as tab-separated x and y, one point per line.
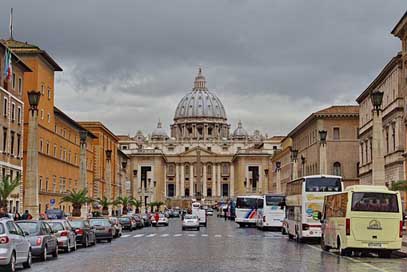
200	158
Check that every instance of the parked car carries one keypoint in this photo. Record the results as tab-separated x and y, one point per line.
138	220
162	220
209	211
41	237
147	220
103	229
190	222
65	235
85	234
127	222
14	247
117	227
176	213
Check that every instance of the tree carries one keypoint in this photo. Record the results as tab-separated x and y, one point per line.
78	199
6	188
400	185
105	203
126	202
152	204
159	204
137	205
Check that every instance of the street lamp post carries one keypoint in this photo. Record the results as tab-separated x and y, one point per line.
109	176
294	156
83	134
31	190
377	142
323	167
278	174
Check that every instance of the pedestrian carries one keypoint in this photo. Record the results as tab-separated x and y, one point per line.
156	218
17	216
26	215
3	212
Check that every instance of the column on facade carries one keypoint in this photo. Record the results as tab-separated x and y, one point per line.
247	179
397	133
165	182
191	180
232	180
204	181
214	179
182	181
219	180
261	177
177	180
205	132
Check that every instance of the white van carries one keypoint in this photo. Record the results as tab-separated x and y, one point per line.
364	218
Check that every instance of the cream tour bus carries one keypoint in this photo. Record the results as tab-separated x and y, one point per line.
304	201
364	218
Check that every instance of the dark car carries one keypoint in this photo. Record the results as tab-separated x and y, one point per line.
127	222
103	228
85	234
41	237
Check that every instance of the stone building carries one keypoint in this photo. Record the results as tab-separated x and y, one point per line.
200	158
334	155
58	135
282	166
11	123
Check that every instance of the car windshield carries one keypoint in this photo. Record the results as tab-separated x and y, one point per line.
323	184
56	226
246	203
375	202
189	216
124	219
30	227
99	222
274	200
76	224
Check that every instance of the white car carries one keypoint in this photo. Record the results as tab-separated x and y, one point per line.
162	220
190	222
209	212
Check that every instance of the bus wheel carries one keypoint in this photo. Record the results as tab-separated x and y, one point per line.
384	253
323	246
343	251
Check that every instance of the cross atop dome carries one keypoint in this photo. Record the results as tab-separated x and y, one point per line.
199	80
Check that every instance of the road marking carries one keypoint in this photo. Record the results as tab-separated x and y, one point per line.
350	259
230	236
218	235
125	236
204	235
151	235
177	235
164	235
138	235
191	235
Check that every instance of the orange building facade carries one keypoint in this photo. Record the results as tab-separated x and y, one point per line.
58	134
106	161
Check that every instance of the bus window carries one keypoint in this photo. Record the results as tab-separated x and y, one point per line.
260	203
246	203
374	202
275	200
322	184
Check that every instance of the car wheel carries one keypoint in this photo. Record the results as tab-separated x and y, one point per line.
197	228
11	266
183	228
44	254
55	253
29	261
109	240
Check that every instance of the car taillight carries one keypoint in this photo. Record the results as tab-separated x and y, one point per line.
64	233
110	230
347	226
305	227
79	231
264	218
4	240
401	229
39	241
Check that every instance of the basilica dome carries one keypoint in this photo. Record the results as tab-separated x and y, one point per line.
200	103
159	132
240	132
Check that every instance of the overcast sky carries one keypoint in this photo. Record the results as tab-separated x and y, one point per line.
272	63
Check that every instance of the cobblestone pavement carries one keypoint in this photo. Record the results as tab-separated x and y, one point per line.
222	246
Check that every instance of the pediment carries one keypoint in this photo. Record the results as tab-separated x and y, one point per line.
194	152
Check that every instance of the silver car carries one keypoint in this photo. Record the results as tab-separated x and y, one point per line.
14	247
103	229
190	222
65	235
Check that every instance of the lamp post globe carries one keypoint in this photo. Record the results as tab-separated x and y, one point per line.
322	136
34	99
377	100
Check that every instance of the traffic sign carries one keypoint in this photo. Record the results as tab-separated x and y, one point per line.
52	201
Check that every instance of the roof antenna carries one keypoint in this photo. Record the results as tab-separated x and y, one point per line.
11	24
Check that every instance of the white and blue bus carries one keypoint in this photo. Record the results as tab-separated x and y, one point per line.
270	211
246	210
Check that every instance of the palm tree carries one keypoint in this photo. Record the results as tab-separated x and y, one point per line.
137	204
152	204
125	201
6	188
159	204
105	203
400	185
77	198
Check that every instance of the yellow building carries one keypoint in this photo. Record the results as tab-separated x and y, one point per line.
58	134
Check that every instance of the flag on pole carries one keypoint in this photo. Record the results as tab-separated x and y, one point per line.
8	70
11	23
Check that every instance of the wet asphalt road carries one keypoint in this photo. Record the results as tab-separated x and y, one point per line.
222	246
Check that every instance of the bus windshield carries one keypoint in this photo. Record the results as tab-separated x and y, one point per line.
323	184
274	200
374	202
246	203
